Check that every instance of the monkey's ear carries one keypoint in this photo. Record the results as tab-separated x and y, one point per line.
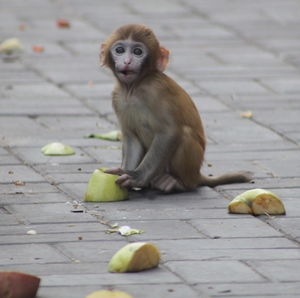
163	59
102	54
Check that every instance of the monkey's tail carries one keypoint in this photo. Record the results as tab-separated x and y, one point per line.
228	178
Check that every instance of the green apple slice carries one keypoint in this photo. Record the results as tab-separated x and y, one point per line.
108	294
57	149
102	187
135	257
257	201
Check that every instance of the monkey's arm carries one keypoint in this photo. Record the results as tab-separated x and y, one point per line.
132	152
155	160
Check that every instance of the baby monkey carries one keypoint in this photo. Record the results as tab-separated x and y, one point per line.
163	136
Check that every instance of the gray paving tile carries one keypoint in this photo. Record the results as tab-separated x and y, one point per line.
203	272
30	254
231	57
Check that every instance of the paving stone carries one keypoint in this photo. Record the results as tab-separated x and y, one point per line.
54	228
33	198
8	160
285	271
135	213
166	6
28	188
93	251
12	173
231	227
190	245
188	253
231	56
158	290
33	155
285	85
51	212
36	106
108	154
288	226
30	254
259	102
273	289
162	229
56	237
92	279
44	90
203	272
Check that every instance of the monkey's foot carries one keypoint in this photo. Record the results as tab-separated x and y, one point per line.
166	183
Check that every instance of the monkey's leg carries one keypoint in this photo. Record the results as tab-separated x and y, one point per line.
166	183
186	162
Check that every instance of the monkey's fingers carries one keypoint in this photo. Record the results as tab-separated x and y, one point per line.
114	171
124	180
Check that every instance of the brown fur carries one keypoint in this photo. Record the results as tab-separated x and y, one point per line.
164	140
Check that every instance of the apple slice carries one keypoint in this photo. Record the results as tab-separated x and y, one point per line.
18	285
108	294
133	257
102	187
257	201
57	148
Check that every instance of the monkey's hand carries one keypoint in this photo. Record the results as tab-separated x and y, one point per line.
127	178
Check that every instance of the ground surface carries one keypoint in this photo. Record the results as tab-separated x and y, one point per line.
232	57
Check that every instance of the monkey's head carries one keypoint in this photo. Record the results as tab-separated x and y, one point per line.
132	52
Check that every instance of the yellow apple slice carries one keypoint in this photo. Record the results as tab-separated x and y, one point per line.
108	294
102	187
57	148
257	201
135	257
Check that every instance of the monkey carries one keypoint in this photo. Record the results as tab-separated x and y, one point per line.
163	136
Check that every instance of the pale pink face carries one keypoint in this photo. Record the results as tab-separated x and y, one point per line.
129	57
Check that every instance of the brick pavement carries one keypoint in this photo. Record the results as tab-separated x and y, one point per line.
231	56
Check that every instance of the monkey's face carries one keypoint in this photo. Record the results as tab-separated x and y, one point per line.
129	57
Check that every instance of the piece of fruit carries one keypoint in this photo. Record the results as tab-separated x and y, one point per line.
57	149
102	187
63	23
114	135
135	257
257	201
108	294
10	46
18	285
37	48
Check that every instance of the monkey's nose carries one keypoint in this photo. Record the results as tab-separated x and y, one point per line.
127	61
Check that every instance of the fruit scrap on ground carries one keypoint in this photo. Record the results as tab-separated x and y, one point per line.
125	230
134	257
114	135
257	201
11	45
63	23
18	285
102	187
57	149
108	294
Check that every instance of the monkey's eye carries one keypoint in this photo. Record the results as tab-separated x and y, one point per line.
138	51
120	50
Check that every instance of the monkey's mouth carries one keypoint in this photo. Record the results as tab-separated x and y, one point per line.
126	72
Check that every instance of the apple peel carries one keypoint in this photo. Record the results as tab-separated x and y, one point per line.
18	285
108	294
134	257
57	149
102	187
114	135
257	201
10	46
